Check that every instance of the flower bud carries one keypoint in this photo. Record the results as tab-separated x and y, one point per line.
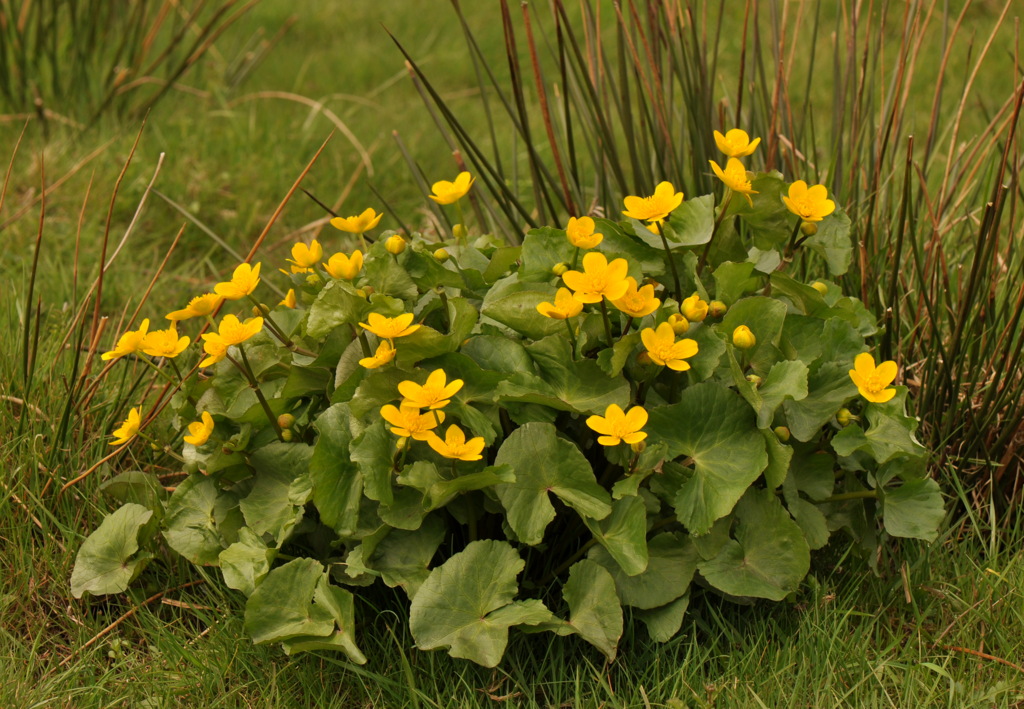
369	290
395	244
844	417
808	228
820	287
459	231
782	432
717	308
754	379
260	311
441	255
287	436
285	420
644	359
314	279
638	447
694	309
743	338
559	268
401	443
361	292
679	324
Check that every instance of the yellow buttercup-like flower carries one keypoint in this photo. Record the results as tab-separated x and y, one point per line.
436	393
358	224
129	427
599	279
872	381
165	343
346	267
198	307
446	192
390	328
455	445
679	323
129	343
656	207
743	337
736	143
305	257
564	307
235	332
735	178
663	349
385	353
580	232
637	303
199	431
618	427
694	308
243	282
289	300
811	204
215	348
407	421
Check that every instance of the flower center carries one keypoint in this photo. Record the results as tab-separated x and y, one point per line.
875	383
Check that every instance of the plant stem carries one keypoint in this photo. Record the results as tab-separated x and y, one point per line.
607	323
575	257
671	262
714	230
444	308
572	337
246	369
857	495
464	239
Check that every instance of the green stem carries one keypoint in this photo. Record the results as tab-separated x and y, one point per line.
792	241
575	257
607	323
444	307
463	241
246	369
671	263
714	231
572	337
858	495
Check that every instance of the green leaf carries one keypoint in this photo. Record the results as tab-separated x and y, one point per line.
514	305
623	534
710	348
246	562
403	557
466	604
544	463
337	482
670	567
664	622
890	434
786	380
138	487
502	260
832	242
828	388
732	280
372	451
914	509
779	457
542	249
765	317
692	222
105	563
498	354
340	604
580	384
612	359
427	272
716	428
194	515
427	342
267	508
769	556
388	277
811	520
337	305
594	610
767	219
282	605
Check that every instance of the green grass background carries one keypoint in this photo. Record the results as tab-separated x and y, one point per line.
937	627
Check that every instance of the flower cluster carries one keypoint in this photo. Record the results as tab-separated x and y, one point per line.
408	420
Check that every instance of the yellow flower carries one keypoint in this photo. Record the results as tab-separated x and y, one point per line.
165	343
743	338
305	257
385	353
243	282
581	233
637	303
390	328
408	421
617	427
129	343
450	192
199	432
290	301
680	325
736	143
663	349
235	332
215	347
599	279
564	307
455	444
809	203
694	308
128	428
200	306
395	244
657	206
735	178
435	394
872	381
358	224
342	266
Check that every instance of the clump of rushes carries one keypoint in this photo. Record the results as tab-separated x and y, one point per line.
410	411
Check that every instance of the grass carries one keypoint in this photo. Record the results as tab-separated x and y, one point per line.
908	638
